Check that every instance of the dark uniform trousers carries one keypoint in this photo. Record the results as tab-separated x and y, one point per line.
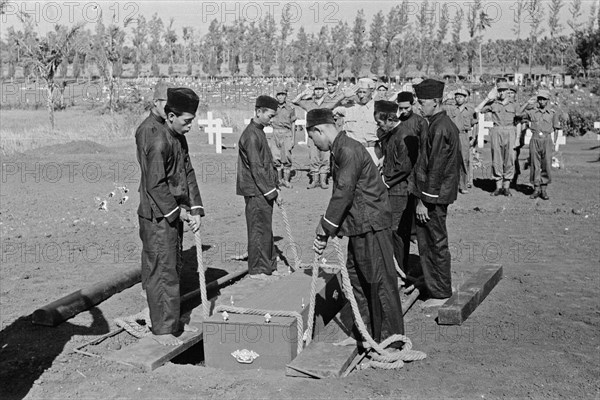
502	139
371	269
540	159
161	268
403	209
262	258
432	238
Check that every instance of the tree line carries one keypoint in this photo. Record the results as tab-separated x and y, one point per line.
389	45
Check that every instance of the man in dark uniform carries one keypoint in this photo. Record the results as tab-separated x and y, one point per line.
257	182
464	117
359	208
435	184
399	141
308	100
169	194
502	135
281	140
544	123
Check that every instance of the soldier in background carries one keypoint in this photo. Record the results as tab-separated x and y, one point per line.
504	112
310	99
544	123
281	140
464	117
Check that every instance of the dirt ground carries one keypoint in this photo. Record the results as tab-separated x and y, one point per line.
537	335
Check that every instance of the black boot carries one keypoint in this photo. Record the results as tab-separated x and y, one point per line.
315	181
287	176
324	181
544	194
536	193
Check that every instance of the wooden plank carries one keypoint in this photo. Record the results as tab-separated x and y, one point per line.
322	359
468	297
149	355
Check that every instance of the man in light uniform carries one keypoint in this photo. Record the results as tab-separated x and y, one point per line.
544	123
502	135
281	140
310	99
464	117
358	118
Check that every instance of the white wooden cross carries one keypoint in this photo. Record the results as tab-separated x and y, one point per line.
482	129
302	122
214	127
208	123
597	126
561	139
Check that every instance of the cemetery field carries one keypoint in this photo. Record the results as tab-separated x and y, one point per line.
537	334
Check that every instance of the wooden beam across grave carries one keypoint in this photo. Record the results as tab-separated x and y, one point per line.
323	359
469	295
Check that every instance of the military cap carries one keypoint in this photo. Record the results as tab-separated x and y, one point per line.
385	106
183	100
331	79
544	94
502	85
366	83
382	84
160	90
266	102
319	116
405	96
280	89
429	89
319	85
512	88
462	91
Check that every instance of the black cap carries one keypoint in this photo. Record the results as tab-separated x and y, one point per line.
386	106
266	102
429	89
183	100
319	116
405	96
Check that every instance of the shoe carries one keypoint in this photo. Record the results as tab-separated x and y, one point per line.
315	182
544	195
535	194
324	181
463	191
431	303
497	192
507	192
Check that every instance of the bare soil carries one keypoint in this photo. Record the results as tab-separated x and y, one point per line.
537	335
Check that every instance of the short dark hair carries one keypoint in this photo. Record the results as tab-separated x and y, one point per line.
387	116
263	109
173	110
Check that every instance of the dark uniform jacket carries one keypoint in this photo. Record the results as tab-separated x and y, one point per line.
435	178
359	202
400	148
256	173
168	179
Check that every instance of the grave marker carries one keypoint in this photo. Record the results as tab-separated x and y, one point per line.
483	129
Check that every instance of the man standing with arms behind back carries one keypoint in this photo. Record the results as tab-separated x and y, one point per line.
435	184
257	182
